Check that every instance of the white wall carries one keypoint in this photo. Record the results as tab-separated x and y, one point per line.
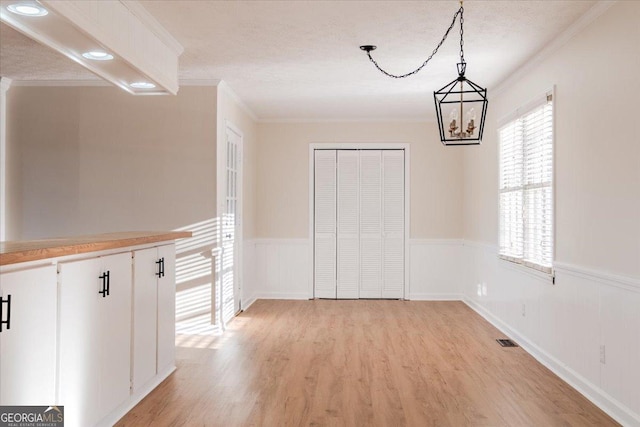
596	297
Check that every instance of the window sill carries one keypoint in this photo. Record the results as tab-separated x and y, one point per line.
530	271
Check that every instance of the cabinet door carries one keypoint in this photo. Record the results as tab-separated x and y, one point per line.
80	347
28	363
115	330
167	309
95	337
145	313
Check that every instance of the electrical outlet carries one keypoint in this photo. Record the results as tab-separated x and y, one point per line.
602	354
524	310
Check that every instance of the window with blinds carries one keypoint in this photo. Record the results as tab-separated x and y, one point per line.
526	186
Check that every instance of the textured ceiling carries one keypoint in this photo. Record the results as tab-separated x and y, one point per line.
24	59
300	59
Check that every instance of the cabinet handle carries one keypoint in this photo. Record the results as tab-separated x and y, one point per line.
8	321
160	263
105	284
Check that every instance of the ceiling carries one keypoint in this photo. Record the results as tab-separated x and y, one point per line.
299	60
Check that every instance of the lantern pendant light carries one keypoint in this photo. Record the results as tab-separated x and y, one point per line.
460	103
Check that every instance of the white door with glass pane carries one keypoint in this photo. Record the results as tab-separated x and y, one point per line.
229	291
359	223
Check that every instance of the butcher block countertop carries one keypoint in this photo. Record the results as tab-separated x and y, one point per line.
33	250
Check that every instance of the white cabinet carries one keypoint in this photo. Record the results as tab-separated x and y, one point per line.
95	337
167	309
153	313
28	336
85	325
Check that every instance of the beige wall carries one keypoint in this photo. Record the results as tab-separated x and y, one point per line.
96	159
13	163
282	184
597	149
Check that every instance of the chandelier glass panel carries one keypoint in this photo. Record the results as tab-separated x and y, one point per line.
461	105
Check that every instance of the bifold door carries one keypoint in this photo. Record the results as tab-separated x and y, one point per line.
359	224
325	224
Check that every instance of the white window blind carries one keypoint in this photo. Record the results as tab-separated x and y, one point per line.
526	186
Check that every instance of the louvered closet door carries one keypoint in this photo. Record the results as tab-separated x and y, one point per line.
325	224
393	223
359	224
348	253
370	224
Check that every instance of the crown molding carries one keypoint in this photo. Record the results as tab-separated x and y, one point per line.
5	84
94	83
200	82
149	21
224	86
563	38
63	83
349	120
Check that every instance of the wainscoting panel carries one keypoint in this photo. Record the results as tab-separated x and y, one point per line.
281	268
564	325
434	272
276	269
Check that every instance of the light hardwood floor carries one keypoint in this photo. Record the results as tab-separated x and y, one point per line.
360	363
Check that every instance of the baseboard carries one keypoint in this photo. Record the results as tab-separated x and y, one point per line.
274	241
282	295
122	410
246	303
435	297
597	396
436	242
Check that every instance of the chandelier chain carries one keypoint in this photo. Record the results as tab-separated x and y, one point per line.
461	34
453	21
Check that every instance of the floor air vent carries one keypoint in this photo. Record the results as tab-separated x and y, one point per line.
506	343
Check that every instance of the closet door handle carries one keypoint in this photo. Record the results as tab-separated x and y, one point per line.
7	322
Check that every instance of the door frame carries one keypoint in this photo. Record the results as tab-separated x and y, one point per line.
407	199
221	177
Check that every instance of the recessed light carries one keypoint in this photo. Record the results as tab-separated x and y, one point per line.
27	9
98	55
142	85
